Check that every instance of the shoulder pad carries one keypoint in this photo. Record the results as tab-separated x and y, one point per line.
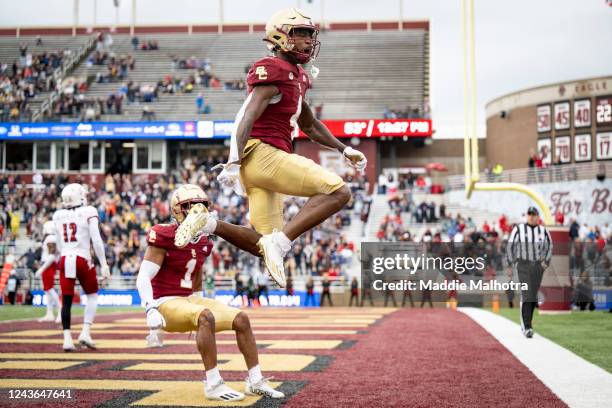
162	236
267	70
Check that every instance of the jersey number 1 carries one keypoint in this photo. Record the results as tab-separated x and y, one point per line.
186	281
70	236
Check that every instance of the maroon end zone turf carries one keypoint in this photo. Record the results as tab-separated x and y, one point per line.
412	357
426	358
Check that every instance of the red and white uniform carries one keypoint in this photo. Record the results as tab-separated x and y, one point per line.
278	122
175	276
75	229
48	274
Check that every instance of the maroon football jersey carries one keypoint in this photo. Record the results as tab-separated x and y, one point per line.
279	120
176	275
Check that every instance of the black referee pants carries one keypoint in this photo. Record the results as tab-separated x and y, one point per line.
530	273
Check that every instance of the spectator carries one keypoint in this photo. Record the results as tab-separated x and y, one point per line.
325	293
200	103
135	42
354	292
148	114
309	292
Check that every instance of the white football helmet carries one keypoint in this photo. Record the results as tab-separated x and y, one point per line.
74	195
48	228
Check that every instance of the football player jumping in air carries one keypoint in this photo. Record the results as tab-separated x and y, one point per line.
170	286
76	229
261	161
47	272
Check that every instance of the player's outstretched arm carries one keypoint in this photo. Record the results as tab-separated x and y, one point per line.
316	130
319	133
241	237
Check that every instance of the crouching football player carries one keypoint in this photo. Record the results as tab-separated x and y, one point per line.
165	286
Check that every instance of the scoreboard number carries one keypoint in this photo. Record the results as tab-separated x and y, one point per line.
562	115
582	148
603	111
543	118
562	149
582	113
604	148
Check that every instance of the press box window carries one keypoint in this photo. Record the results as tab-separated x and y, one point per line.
19	156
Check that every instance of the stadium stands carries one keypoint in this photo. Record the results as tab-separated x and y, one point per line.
349	72
67	47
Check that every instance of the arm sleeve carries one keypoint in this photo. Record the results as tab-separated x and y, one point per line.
548	247
47	262
147	272
96	240
510	256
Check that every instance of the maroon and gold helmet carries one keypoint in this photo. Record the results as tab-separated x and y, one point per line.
279	33
184	197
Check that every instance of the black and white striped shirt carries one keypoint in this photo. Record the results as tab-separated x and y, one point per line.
529	243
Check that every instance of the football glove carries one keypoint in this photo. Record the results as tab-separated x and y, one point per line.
155	320
355	158
229	176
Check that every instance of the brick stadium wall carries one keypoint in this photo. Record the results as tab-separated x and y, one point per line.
509	139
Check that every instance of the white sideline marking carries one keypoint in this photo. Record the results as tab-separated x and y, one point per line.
574	380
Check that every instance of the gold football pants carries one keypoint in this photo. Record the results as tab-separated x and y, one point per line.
182	314
268	173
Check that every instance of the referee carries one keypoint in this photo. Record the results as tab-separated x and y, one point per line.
529	250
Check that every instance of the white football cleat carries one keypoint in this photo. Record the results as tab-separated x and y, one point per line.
85	340
58	319
155	340
68	345
191	225
274	258
221	392
261	388
47	318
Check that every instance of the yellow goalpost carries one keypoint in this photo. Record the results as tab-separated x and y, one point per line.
470	138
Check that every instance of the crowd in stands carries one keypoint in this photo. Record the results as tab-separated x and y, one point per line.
24	78
409	112
128	205
73	102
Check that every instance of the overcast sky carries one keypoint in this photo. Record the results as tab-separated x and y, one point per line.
519	43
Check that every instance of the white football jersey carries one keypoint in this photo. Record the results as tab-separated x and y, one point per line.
72	230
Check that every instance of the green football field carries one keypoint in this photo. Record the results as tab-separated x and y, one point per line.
588	334
9	312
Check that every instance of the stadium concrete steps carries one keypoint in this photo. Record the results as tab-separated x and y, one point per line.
360	73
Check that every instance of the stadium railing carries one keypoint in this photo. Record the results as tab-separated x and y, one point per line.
59	75
551	174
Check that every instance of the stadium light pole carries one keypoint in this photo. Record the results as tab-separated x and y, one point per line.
95	13
133	21
220	28
470	141
75	20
